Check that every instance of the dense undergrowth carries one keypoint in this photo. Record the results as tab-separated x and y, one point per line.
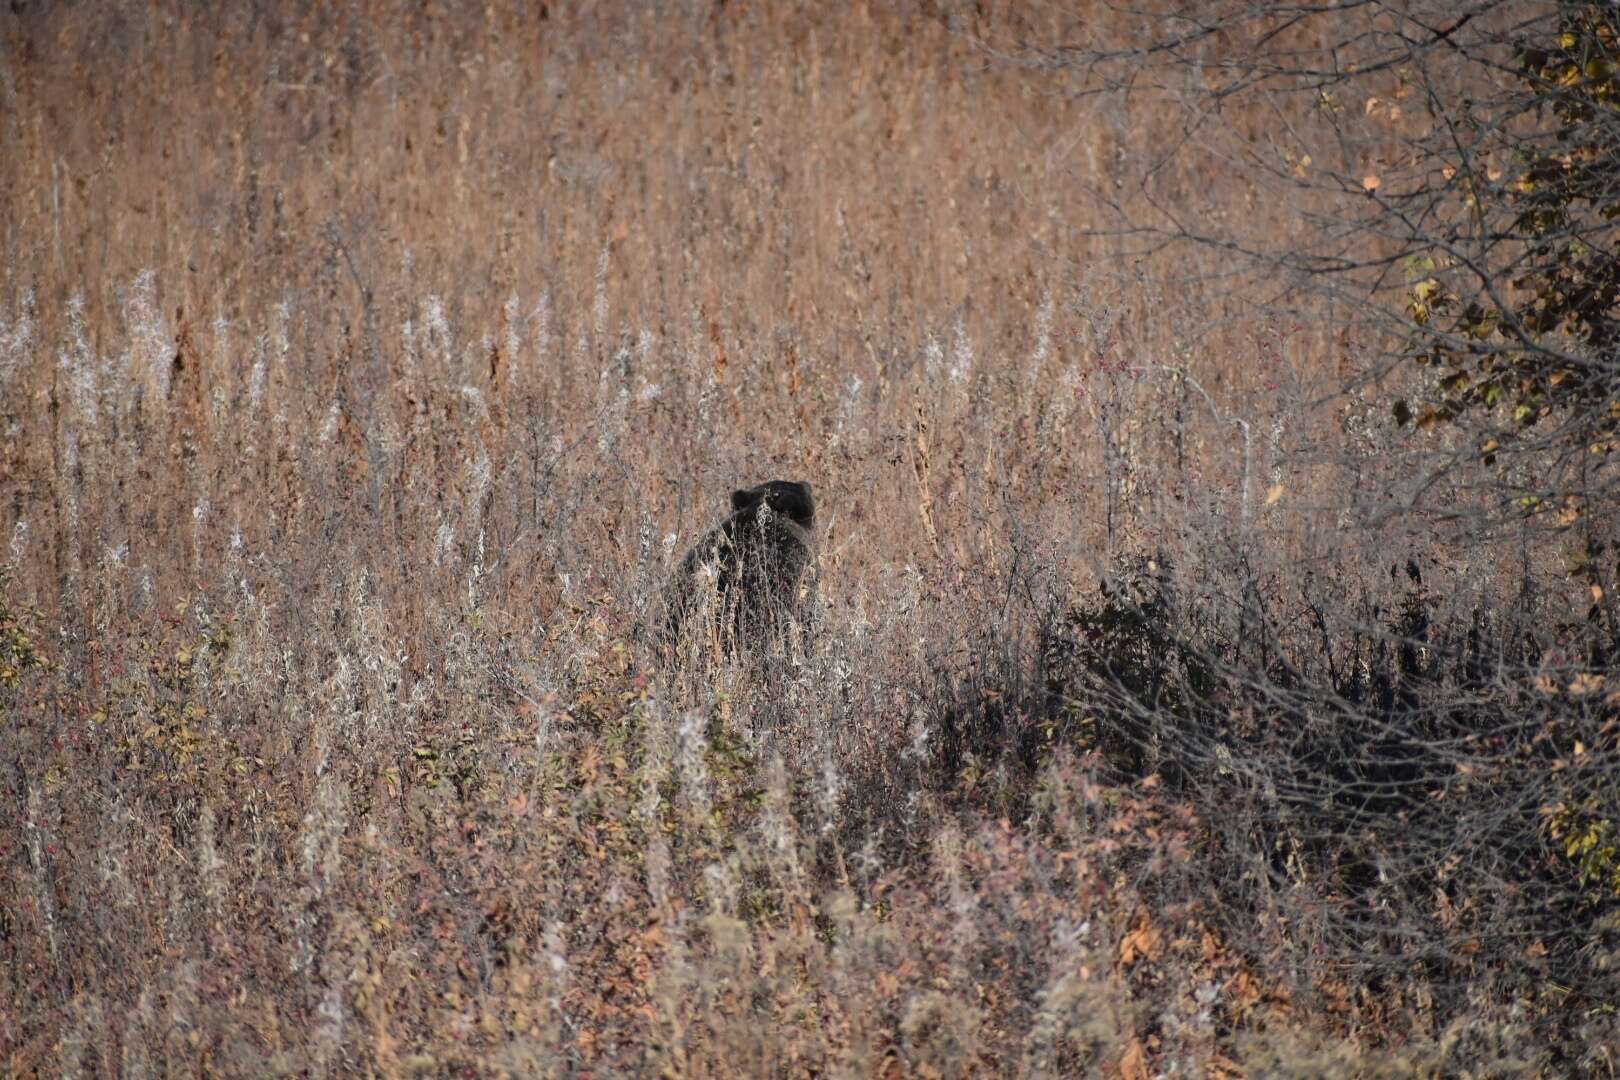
356	418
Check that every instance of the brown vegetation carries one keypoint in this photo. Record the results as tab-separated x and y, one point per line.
364	372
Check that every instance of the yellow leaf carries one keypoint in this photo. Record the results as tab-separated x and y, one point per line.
1274	494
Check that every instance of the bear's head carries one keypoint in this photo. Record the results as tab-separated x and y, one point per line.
790	498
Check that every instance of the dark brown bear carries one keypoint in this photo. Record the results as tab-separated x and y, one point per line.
744	578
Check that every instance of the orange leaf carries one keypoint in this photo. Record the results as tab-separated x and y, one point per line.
1143	943
1133	1066
1245	990
1371	182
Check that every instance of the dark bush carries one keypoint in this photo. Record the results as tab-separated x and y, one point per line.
1427	794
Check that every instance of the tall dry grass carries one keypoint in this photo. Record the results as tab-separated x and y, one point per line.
364	372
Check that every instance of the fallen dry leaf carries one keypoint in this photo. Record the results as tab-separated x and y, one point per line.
1141	943
1133	1066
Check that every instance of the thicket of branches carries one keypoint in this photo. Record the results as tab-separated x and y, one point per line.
1419	779
1455	173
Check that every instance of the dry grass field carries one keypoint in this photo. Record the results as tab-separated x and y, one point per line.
366	369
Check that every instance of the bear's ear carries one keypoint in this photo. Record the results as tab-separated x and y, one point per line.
742	497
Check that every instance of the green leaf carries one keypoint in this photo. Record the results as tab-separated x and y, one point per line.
1418	265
